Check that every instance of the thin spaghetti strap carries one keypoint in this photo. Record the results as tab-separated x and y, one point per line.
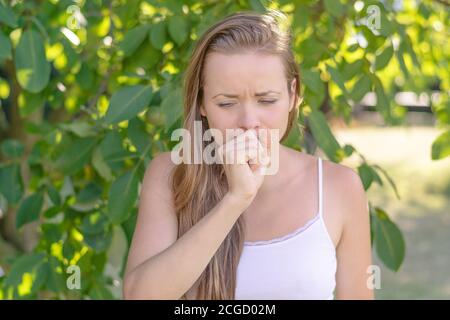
320	187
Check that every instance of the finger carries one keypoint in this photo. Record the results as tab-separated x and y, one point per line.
265	137
247	154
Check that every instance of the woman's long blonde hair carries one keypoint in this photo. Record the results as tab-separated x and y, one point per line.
197	188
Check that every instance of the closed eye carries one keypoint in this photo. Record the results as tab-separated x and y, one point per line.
225	104
229	104
268	101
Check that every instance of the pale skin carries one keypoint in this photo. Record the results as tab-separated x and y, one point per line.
255	98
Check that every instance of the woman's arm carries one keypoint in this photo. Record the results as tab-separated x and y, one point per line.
354	249
160	266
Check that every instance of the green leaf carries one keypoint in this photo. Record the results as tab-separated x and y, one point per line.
90	193
401	61
362	86
101	166
337	78
441	146
29	209
353	47
122	196
323	135
23	264
257	6
349	70
112	150
32	67
365	172
178	29
129	225
11	185
56	279
389	242
158	35
389	179
348	150
85	77
138	134
312	80
53	232
98	241
382	60
383	104
51	212
127	103
5	47
7	16
12	148
334	7
100	292
133	39
94	223
80	128
41	277
76	155
172	107
30	102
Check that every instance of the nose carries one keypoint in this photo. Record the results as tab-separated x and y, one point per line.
248	118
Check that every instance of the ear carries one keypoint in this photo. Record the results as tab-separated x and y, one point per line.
293	93
202	110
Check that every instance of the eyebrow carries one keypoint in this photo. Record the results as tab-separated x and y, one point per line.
257	94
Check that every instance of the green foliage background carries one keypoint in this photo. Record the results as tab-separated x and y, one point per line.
91	90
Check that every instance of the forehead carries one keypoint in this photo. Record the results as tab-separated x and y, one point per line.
250	69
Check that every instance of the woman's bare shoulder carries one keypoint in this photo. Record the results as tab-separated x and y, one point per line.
344	192
158	175
160	166
341	177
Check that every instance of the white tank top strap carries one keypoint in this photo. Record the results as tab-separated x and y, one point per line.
320	188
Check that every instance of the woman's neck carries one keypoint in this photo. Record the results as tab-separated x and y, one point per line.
272	182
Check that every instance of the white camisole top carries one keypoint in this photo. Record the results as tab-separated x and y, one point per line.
299	265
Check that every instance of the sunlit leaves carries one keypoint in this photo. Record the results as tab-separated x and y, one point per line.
92	160
172	107
368	175
133	39
383	58
441	146
323	135
127	103
362	86
334	7
138	134
32	68
21	271
76	155
30	102
122	196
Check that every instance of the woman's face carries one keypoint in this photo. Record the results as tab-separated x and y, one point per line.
246	91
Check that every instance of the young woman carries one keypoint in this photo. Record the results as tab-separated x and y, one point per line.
226	231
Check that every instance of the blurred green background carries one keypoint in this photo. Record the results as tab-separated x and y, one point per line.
90	92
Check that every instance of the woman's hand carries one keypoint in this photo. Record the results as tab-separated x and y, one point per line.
245	159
